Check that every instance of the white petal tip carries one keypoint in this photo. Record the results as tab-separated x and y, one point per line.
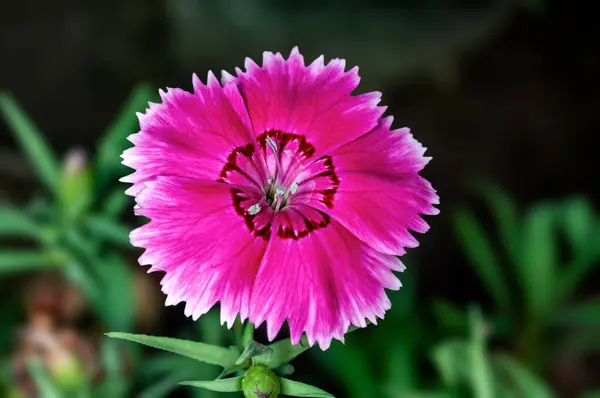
226	77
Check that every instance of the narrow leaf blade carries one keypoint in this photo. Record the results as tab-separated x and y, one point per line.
31	140
482	257
481	374
116	202
14	222
109	230
199	351
578	218
297	389
525	382
504	210
117	287
452	361
114	139
22	260
223	385
253	349
539	260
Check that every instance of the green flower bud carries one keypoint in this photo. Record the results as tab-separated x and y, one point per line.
260	382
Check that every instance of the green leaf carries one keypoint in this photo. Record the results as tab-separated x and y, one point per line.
481	375
16	223
297	389
42	379
230	370
115	202
224	385
79	275
538	264
482	257
583	232
452	361
591	394
504	210
211	332
582	314
253	349
111	359
31	140
208	353
114	141
573	274
578	218
117	303
114	383
23	260
524	381
247	334
109	230
284	352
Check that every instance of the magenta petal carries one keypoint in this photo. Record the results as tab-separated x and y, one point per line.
201	243
188	135
321	283
393	153
381	196
314	101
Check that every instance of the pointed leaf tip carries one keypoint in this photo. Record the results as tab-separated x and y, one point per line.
253	349
297	389
223	385
31	140
208	353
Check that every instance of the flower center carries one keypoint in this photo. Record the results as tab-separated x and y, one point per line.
278	174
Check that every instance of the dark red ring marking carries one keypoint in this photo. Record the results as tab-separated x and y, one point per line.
238	196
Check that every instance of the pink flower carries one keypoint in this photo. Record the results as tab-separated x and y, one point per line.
278	194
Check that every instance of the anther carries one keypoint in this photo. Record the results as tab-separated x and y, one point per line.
254	209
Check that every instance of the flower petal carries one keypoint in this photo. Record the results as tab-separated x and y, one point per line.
205	248
314	101
188	135
321	282
380	194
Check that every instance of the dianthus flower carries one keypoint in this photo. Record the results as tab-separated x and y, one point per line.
279	194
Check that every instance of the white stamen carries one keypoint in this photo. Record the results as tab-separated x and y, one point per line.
270	180
279	191
294	188
272	144
254	209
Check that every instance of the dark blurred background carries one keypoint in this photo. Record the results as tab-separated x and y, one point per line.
505	92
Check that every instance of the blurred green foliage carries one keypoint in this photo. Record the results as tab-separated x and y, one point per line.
534	273
75	226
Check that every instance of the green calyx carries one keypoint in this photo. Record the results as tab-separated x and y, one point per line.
260	382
